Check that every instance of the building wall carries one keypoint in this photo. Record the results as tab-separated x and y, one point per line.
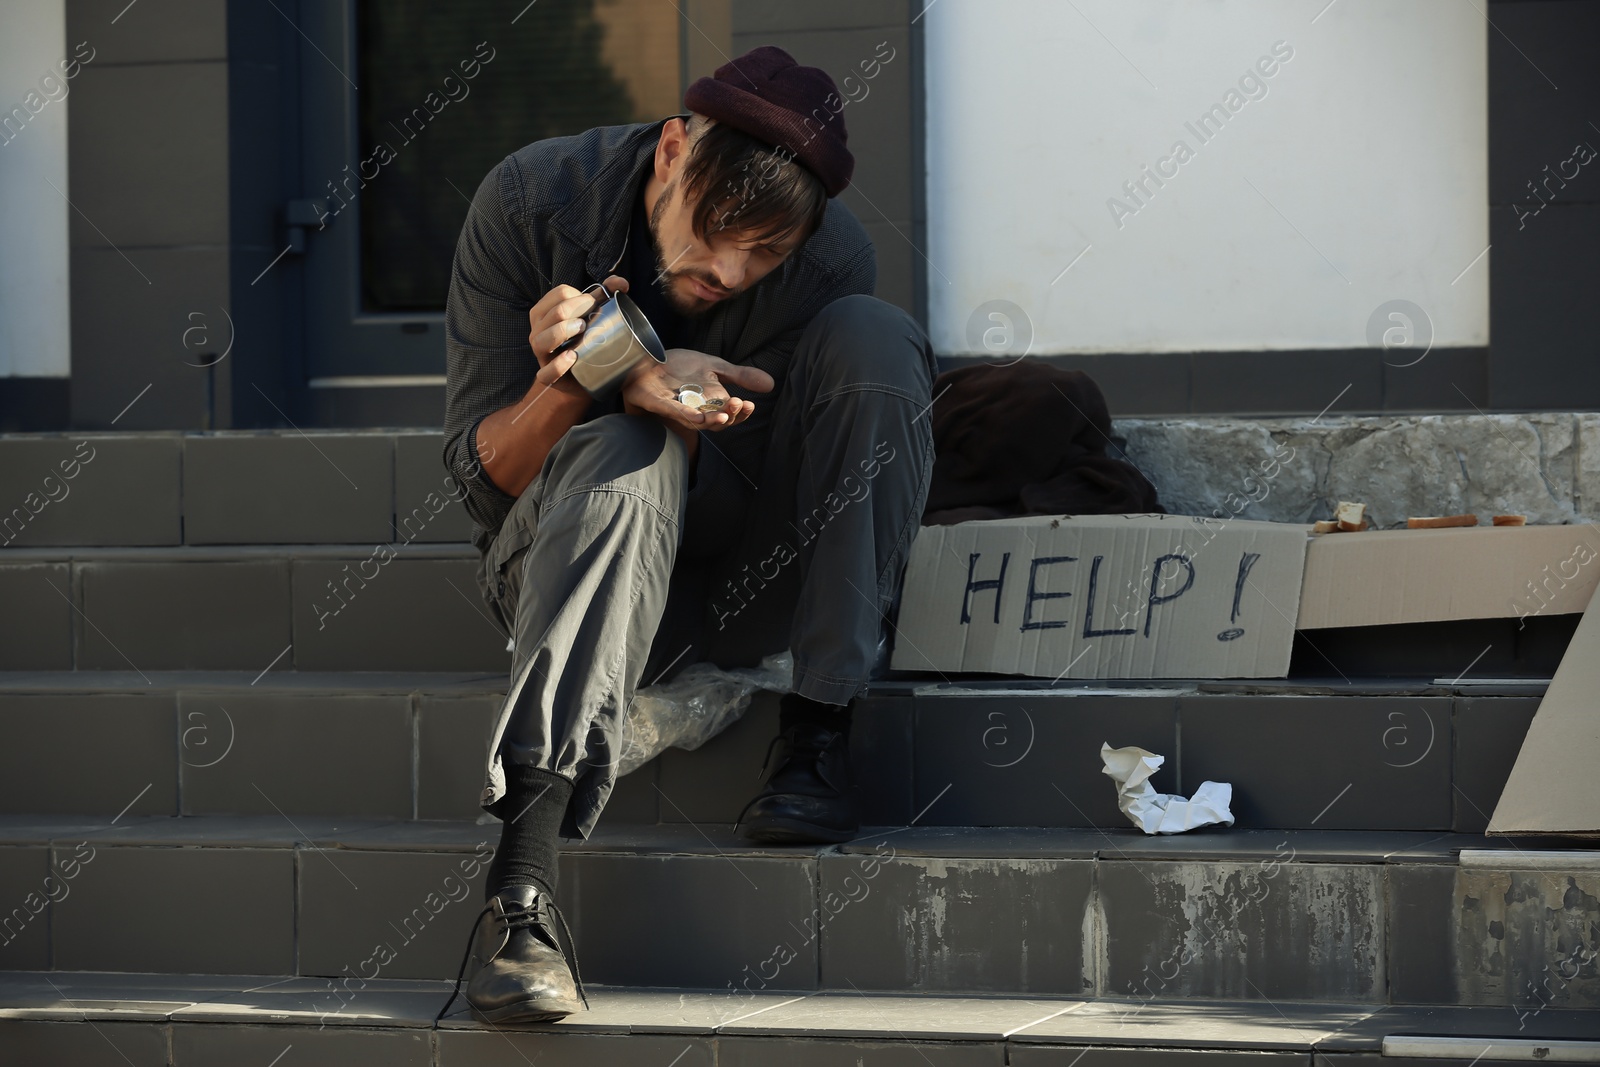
148	161
1169	327
1544	116
35	60
1233	175
183	149
870	43
183	146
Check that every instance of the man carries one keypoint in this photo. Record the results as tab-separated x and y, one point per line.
627	535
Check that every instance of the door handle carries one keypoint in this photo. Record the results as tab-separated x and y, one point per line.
300	214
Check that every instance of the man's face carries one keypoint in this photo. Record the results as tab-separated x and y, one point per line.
696	274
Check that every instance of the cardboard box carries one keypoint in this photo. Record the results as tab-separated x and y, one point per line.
1553	788
1483	572
1108	596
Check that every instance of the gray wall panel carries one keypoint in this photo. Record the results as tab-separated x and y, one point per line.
128	321
148	155
840	37
166	31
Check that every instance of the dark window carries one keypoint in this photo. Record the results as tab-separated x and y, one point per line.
429	133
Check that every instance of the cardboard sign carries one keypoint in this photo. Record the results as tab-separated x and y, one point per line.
1553	788
1103	596
1484	572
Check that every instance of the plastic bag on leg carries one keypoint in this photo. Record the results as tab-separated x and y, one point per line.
695	706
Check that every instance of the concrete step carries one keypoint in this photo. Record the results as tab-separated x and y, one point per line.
263	487
347	550
393	607
289	486
1375	756
353	607
1354	917
72	1018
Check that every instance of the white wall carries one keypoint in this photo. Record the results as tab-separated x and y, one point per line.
1367	153
34	324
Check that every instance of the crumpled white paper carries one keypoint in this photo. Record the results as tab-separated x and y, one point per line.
1162	813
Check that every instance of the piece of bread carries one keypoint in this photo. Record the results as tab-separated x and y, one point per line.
1324	526
1511	520
1440	522
1350	516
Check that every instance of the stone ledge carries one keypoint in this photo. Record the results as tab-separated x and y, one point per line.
1544	465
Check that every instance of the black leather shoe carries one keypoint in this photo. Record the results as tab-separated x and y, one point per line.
808	799
521	974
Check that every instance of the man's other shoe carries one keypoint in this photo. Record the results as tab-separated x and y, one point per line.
808	799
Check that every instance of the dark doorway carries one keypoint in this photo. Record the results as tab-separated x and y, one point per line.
406	106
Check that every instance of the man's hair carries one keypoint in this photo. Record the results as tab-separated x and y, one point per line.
744	185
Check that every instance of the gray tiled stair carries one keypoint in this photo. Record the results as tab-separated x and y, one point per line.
413	744
246	690
137	1018
1322	916
317	607
235	551
257	487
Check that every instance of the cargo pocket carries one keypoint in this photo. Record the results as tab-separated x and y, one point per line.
500	578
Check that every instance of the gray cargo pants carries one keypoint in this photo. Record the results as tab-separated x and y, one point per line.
611	572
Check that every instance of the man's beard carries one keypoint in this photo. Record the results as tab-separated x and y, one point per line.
666	278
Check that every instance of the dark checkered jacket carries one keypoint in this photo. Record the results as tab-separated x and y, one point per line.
557	211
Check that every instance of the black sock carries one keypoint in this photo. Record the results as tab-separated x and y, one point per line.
794	708
529	852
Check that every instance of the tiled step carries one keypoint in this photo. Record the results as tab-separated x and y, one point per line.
280	743
370	606
259	487
62	1018
392	604
1357	917
235	550
382	605
1384	756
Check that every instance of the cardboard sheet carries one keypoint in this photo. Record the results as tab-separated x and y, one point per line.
1106	596
1554	786
1379	577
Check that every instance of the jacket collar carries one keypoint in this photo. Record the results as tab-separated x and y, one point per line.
597	218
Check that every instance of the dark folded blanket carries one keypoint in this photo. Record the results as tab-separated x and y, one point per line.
1027	439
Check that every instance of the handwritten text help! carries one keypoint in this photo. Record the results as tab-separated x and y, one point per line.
1103	596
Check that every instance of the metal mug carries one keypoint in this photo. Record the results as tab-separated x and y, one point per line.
616	338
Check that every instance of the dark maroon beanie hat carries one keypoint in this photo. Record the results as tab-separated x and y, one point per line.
769	96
